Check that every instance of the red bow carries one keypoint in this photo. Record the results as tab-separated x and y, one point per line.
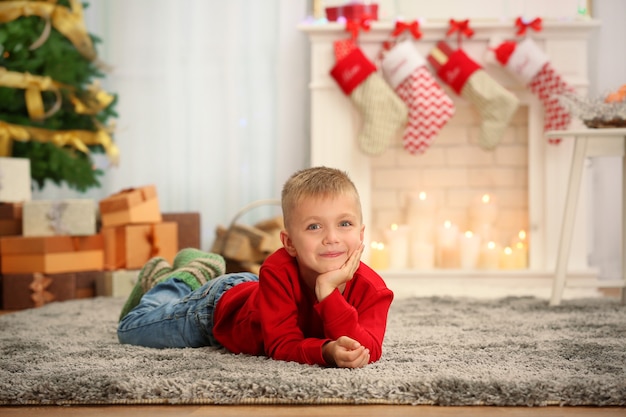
522	24
462	26
413	28
353	26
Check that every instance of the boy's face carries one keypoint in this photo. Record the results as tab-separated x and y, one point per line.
322	233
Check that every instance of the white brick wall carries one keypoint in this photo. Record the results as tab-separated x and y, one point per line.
455	171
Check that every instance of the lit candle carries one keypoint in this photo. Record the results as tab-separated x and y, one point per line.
507	259
521	255
422	204
489	256
520	250
447	245
483	214
420	217
422	255
397	237
470	250
379	256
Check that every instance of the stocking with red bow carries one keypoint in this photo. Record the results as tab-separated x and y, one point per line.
531	66
384	113
495	103
429	106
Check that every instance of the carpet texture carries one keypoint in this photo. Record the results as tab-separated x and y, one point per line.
445	351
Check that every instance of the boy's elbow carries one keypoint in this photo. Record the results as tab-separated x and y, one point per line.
375	355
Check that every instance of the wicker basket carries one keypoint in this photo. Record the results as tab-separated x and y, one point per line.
245	247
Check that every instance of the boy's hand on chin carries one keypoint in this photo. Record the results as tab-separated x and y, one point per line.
328	281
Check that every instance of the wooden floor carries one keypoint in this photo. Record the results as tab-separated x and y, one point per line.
311	411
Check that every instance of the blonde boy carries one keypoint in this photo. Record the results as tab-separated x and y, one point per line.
313	302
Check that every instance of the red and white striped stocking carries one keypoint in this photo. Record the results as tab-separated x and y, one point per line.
429	106
532	67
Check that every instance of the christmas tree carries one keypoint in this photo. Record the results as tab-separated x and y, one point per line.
52	109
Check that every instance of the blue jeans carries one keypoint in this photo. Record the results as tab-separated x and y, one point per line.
171	315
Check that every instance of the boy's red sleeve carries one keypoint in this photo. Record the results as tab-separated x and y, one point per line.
278	306
360	313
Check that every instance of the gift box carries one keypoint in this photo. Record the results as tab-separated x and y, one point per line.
352	11
131	246
188	228
10	219
15	180
118	283
51	254
86	283
131	206
21	291
76	217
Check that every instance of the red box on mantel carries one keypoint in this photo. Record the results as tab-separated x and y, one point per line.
352	11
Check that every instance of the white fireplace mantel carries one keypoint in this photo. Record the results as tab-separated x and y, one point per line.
335	123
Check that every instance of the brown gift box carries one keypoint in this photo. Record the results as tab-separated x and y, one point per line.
131	206
20	291
10	219
131	246
188	228
51	254
86	283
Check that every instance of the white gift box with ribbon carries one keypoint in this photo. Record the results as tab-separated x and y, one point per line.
75	217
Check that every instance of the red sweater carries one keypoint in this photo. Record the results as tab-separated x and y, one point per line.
281	318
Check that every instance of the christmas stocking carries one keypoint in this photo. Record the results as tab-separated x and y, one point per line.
429	106
532	68
384	113
495	103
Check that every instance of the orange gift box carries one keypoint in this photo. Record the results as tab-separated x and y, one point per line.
131	246
51	254
131	206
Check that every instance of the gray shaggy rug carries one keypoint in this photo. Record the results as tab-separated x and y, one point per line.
444	351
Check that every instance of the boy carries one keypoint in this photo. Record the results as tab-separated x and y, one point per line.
314	302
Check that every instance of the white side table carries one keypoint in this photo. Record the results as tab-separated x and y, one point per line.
588	143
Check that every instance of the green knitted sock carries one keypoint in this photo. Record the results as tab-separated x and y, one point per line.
148	277
195	267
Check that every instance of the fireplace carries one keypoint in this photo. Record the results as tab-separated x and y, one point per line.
526	173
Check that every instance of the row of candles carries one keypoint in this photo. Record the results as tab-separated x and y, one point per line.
421	244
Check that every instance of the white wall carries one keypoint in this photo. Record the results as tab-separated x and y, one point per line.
607	73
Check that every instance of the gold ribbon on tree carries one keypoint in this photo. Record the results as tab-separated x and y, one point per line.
78	139
95	99
68	22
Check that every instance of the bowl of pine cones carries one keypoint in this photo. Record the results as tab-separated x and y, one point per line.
608	111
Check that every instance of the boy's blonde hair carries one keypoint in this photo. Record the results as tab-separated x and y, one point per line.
316	182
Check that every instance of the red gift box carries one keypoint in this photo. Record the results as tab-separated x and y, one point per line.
352	11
